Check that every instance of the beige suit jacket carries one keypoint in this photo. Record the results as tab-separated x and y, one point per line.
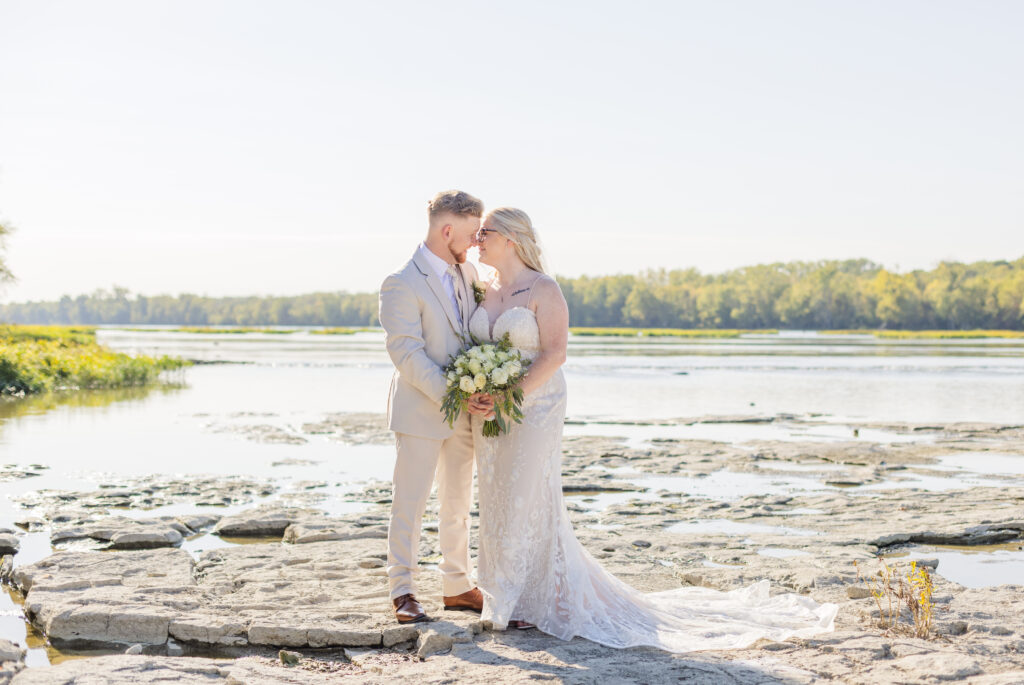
421	331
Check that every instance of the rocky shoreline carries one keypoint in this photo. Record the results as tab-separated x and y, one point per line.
668	513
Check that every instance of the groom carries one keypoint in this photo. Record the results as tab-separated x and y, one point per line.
425	309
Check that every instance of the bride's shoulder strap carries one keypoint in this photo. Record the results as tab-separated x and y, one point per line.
540	277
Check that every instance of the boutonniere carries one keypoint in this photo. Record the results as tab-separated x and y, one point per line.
479	291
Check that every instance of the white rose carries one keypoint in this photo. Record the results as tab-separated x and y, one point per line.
489	366
499	376
466	384
488	350
514	368
480	380
475	366
502	357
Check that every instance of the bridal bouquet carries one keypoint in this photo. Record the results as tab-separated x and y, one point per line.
495	369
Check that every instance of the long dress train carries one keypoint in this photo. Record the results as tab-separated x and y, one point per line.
532	568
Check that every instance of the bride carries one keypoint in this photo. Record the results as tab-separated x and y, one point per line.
532	570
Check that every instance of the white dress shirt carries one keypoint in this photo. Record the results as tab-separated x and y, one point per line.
441	268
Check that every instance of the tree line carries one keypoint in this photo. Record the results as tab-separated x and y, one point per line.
822	295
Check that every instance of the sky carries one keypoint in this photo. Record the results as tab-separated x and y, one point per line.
238	147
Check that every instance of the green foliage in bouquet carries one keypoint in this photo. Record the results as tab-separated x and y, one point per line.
495	369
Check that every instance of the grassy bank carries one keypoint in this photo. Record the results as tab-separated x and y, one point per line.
36	359
931	335
735	333
666	332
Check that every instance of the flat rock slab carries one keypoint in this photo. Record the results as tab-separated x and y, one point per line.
322	594
119	532
265	521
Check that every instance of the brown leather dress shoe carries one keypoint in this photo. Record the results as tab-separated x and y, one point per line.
472	600
408	610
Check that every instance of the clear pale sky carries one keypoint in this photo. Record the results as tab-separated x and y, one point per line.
254	147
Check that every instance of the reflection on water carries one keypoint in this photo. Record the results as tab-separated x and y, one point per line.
12	407
973	566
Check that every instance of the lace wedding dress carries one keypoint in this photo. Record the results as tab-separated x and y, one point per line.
532	568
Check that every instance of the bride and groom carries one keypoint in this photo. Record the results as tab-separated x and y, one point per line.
531	569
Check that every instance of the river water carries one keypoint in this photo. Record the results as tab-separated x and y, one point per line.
284	381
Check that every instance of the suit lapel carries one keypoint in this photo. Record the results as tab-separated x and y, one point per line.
437	287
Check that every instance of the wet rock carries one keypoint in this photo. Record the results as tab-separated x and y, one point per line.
14	472
134	649
197	523
332	529
261	432
981	535
125	533
9	542
11	652
173	648
294	461
575	485
264	521
353	428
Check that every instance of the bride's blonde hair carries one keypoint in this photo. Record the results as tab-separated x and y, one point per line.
515	225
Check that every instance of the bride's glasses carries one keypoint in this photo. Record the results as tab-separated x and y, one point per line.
482	234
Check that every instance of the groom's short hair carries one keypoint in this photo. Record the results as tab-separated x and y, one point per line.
454	202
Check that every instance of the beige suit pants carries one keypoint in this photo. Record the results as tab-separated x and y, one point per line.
419	459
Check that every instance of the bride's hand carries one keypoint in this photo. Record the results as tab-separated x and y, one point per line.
481	404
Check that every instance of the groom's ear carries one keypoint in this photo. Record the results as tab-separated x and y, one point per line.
446	231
